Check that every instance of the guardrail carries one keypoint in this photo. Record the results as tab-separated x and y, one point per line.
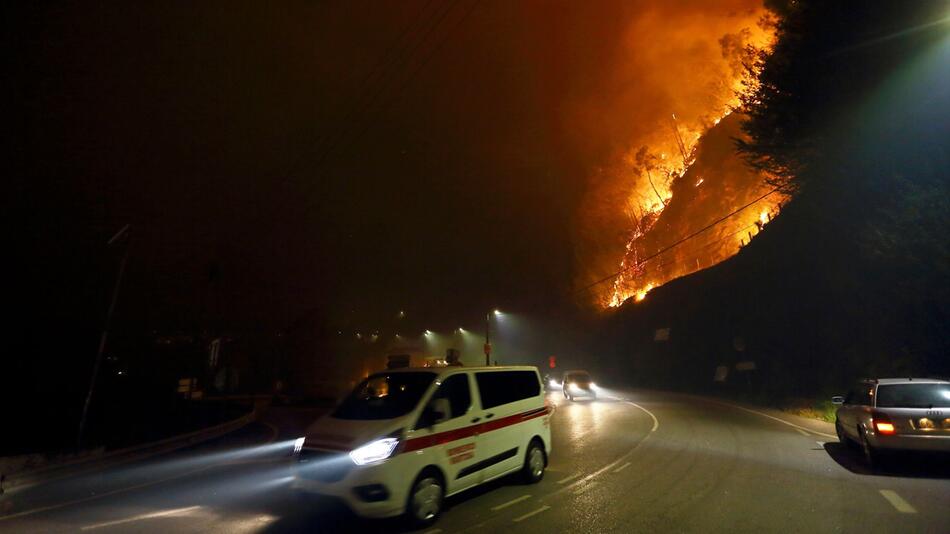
30	476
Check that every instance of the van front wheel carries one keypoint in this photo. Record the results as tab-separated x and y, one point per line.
534	461
425	499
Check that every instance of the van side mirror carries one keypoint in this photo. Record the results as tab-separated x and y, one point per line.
837	400
435	412
429	417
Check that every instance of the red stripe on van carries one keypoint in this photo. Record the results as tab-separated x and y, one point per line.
441	438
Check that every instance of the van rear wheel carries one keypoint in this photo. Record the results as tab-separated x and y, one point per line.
534	460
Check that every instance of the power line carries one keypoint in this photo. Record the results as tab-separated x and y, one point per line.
398	91
707	245
406	59
397	47
678	242
398	53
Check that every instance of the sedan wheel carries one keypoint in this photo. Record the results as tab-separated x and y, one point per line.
425	502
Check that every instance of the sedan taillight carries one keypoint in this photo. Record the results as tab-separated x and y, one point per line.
882	424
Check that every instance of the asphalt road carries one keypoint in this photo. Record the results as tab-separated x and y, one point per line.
640	462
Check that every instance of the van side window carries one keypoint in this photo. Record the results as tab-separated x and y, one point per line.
456	390
501	387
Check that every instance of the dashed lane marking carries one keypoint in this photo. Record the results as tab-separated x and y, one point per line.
613	464
584	488
152	515
622	467
433	531
898	502
510	503
568	479
521	518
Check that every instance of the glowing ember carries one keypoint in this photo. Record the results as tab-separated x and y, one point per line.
642	294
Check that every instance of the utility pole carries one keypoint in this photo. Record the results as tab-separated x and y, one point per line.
487	339
125	231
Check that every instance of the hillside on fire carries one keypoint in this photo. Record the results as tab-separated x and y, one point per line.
849	119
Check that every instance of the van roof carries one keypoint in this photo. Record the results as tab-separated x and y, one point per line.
450	368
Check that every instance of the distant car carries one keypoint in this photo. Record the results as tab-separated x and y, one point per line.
911	414
578	384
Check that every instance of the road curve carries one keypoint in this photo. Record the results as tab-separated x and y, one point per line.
637	461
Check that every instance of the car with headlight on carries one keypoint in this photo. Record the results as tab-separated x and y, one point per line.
578	384
895	414
405	439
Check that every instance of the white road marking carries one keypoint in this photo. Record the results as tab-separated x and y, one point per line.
121	490
802	432
583	489
565	479
530	514
164	513
784	422
898	502
107	494
509	503
656	423
613	464
622	467
433	531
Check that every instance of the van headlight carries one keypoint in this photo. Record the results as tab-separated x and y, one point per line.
374	451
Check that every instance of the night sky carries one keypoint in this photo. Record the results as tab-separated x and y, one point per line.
353	158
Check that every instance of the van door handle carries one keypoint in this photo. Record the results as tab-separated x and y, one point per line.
477	419
489	415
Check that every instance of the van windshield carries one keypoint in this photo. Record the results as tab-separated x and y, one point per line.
385	396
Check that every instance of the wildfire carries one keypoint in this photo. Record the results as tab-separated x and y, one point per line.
655	116
699	228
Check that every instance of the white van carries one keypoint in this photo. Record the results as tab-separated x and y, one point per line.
405	439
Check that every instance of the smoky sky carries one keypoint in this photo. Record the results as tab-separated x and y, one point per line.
353	158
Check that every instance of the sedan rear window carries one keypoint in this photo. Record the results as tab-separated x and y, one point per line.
914	396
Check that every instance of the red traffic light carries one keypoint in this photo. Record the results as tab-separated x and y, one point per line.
552	361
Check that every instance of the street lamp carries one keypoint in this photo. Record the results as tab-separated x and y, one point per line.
125	232
488	315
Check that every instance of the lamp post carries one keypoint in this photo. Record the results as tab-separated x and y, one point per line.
124	232
488	336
